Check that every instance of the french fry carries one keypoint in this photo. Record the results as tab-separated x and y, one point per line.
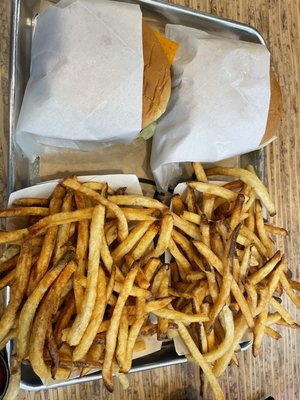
133	334
287	287
96	318
178	205
250	179
28	311
220	283
14	380
144	243
183	264
180	316
199	172
164	236
134	236
81	252
136	200
223	347
83	317
163	292
200	360
114	326
260	226
43	319
122	222
260	274
18	290
122	339
214	189
276	230
31	202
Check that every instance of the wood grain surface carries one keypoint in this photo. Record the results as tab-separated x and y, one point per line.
276	371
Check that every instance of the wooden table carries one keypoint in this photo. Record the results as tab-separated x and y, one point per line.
276	371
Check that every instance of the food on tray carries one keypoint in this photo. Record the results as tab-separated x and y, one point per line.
157	76
90	283
274	116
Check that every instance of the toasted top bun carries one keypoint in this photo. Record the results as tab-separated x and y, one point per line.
274	117
157	77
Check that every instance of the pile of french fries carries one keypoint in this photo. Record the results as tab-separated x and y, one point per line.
89	279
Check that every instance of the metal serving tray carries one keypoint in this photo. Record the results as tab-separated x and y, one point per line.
23	172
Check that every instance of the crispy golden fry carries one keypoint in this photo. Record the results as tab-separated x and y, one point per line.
200	360
8	279
31	202
10	336
18	289
236	212
14	380
137	200
51	346
122	222
222	348
114	326
276	230
187	227
163	292
272	333
24	211
122	339
260	274
134	236
63	230
192	217
32	303
226	282
180	316
83	318
214	189
244	267
250	179
150	268
13	236
260	226
64	317
42	320
133	334
96	318
183	264
144	243
164	236
239	331
195	276
135	290
294	285
199	172
178	206
191	200
287	287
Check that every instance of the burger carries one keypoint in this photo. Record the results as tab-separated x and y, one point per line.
158	52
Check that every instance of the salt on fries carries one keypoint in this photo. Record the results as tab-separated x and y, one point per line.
89	270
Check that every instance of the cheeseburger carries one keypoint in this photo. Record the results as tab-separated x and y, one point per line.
158	53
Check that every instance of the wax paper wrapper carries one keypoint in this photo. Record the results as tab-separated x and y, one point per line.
86	77
219	103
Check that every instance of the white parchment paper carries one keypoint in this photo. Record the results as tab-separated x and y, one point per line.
219	103
86	77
